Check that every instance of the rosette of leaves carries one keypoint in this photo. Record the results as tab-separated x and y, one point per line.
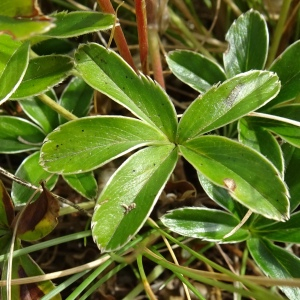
244	174
273	132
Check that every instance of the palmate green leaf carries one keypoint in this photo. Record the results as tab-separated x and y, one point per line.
76	98
291	177
85	184
14	61
204	223
108	73
130	194
43	73
256	137
247	175
222	197
248	40
194	69
85	144
276	263
32	172
76	23
41	113
286	232
228	102
19	135
24	28
287	67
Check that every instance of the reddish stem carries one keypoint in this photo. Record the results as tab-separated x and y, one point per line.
141	19
153	39
119	37
155	57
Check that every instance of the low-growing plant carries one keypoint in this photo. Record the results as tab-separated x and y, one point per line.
252	176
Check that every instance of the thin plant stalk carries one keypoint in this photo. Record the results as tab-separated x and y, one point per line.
56	107
188	262
182	7
89	279
119	37
176	262
185	31
64	285
155	273
44	245
195	275
105	278
11	250
153	38
278	31
144	278
276	118
226	273
234	7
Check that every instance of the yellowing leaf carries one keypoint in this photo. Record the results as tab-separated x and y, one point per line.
39	218
17	8
23	19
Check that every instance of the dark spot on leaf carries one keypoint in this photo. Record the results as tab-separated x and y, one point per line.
133	171
57	146
82	130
